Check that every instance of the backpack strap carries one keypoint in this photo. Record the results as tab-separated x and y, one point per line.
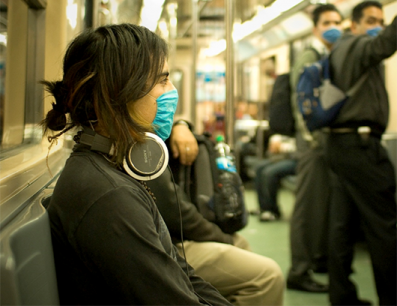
352	91
343	50
318	55
205	140
339	67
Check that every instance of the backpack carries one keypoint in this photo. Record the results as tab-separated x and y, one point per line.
319	101
281	118
217	194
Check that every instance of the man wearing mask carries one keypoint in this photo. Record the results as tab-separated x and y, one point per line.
363	189
224	260
309	222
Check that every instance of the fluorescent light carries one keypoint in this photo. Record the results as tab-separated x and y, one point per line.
215	48
281	6
173	21
3	39
297	23
263	16
150	13
71	13
163	29
248	27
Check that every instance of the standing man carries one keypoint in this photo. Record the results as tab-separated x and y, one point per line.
309	222
364	186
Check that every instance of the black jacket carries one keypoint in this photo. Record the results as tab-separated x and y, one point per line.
110	242
354	56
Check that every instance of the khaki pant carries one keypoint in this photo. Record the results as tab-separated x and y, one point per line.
243	277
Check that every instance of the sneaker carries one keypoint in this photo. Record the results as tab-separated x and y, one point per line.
267	216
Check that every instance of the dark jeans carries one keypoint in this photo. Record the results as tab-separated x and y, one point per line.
267	181
363	195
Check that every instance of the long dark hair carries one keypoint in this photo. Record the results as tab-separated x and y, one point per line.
103	70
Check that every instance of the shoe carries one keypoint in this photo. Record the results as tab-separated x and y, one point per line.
363	303
268	216
306	283
320	269
320	264
355	303
254	212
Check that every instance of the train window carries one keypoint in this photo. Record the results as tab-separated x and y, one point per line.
23	63
3	49
22	67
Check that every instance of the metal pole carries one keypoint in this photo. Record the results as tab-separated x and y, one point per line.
95	13
185	33
194	61
173	21
229	105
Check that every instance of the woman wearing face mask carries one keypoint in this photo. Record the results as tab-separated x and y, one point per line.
110	243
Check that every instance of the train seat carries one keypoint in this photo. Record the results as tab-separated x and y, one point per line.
27	275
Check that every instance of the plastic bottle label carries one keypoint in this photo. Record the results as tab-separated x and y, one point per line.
225	163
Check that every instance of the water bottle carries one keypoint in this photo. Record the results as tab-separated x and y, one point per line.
221	147
224	160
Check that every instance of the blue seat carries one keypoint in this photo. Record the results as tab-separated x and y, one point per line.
27	275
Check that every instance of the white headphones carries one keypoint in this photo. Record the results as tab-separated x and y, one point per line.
143	161
148	160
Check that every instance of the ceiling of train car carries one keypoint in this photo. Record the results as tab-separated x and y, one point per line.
282	20
211	13
211	26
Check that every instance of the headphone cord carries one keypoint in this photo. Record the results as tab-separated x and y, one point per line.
181	227
180	220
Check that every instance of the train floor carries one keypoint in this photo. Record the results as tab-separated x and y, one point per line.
271	239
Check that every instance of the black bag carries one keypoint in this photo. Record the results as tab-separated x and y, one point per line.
217	194
281	118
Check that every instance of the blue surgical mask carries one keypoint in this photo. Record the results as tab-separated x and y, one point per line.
332	35
166	107
374	31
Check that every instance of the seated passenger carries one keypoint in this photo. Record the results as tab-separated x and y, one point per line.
280	162
224	260
110	242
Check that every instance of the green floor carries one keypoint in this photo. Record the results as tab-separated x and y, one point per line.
271	239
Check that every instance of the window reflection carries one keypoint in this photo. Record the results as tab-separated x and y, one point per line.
3	49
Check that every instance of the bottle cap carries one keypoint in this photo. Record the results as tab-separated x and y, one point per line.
220	138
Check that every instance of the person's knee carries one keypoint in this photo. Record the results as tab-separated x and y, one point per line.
240	242
269	174
275	274
270	283
272	276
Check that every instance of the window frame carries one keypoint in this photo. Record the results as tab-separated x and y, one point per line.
34	106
